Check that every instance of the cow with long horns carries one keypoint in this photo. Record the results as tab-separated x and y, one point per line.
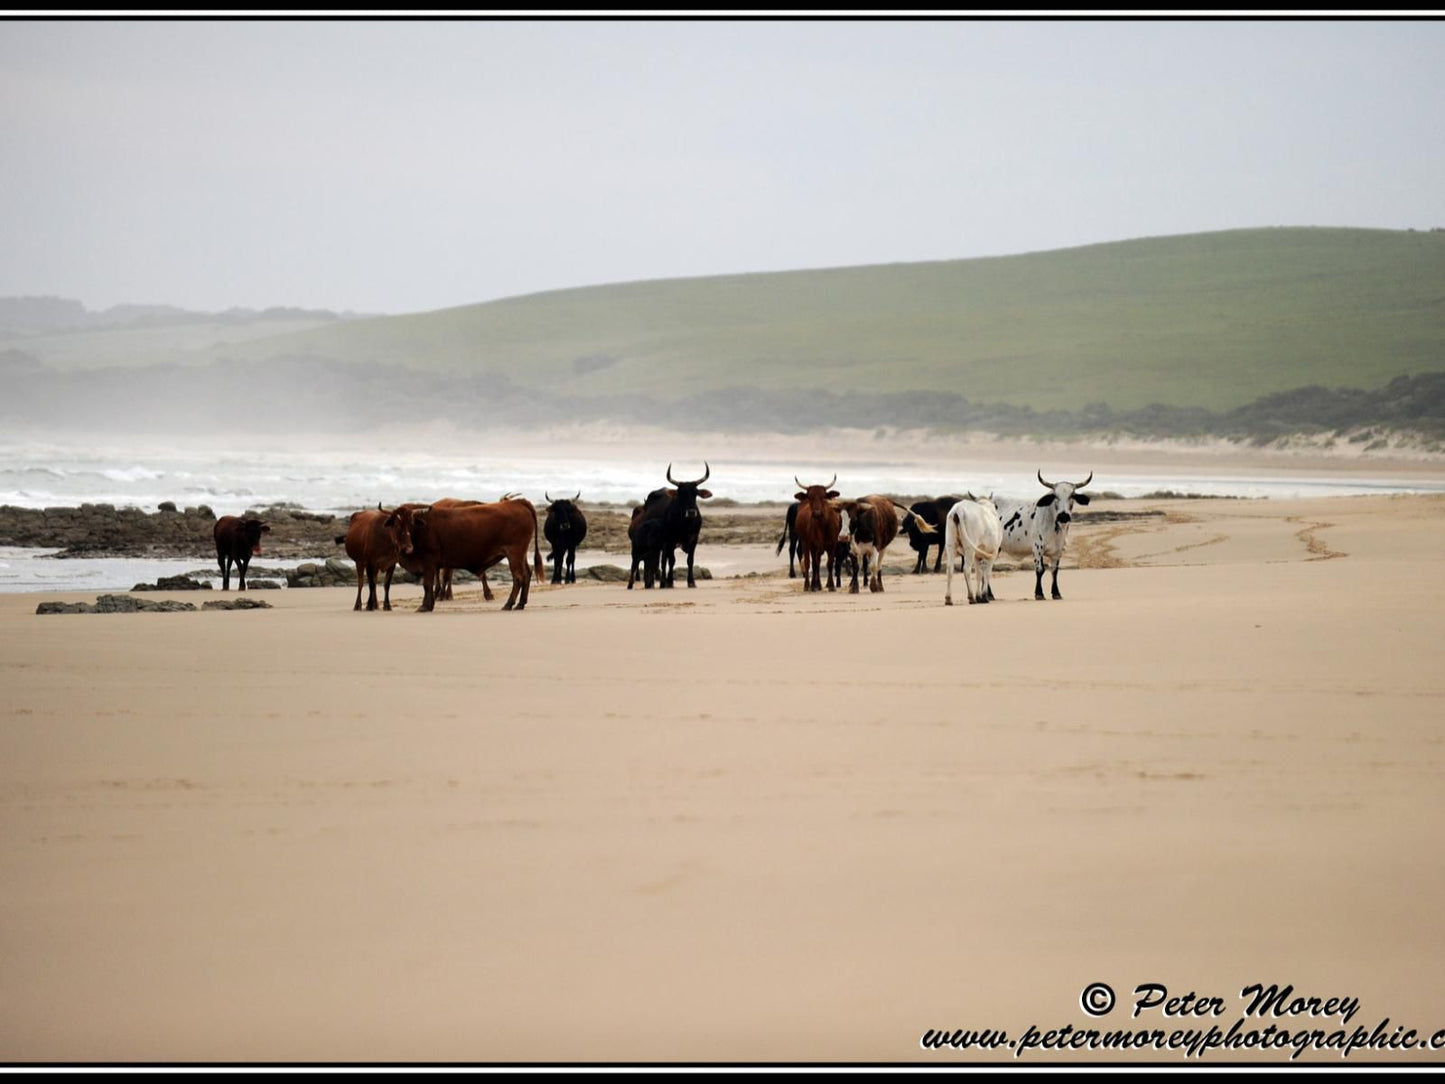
669	519
564	529
1041	529
817	525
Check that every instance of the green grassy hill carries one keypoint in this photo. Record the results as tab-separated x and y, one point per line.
1211	321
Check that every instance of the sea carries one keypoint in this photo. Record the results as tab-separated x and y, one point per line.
35	473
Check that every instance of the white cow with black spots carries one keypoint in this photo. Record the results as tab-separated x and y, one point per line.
974	530
1041	529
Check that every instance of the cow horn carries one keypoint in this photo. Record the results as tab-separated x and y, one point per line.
546	496
579	493
1086	481
379	508
799	484
1047	485
706	471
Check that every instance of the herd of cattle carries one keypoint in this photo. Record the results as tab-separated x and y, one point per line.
433	540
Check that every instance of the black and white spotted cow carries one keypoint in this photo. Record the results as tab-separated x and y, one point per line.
1041	529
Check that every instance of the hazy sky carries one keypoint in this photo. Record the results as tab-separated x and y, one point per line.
408	166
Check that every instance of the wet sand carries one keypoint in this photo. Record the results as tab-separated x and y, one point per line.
739	823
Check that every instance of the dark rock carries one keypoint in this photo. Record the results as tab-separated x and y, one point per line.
167	506
608	573
173	583
258	585
65	608
126	604
236	604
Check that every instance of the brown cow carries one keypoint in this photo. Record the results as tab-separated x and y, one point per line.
377	540
873	524
817	526
476	537
444	575
237	540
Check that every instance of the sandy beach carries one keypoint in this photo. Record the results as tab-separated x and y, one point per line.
740	823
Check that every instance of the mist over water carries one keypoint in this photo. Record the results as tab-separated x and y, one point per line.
40	474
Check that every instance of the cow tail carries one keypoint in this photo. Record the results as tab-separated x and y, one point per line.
537	549
781	539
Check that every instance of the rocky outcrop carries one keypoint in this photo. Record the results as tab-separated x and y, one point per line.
128	604
334	573
115	604
103	530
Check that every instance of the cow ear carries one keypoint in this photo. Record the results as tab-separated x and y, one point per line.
1081	498
831	494
1046	500
705	494
389	520
418	519
265	527
800	496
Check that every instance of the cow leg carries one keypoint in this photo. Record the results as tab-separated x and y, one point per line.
557	559
877	584
386	591
360	578
520	578
572	565
429	590
241	565
792	549
853	586
948	587
1055	583
970	565
690	581
950	542
370	588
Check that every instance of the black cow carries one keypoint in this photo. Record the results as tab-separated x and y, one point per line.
933	513
237	540
790	536
564	529
678	522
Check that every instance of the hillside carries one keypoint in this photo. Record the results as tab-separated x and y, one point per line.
62	334
1205	321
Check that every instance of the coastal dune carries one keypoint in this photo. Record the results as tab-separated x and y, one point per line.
741	823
